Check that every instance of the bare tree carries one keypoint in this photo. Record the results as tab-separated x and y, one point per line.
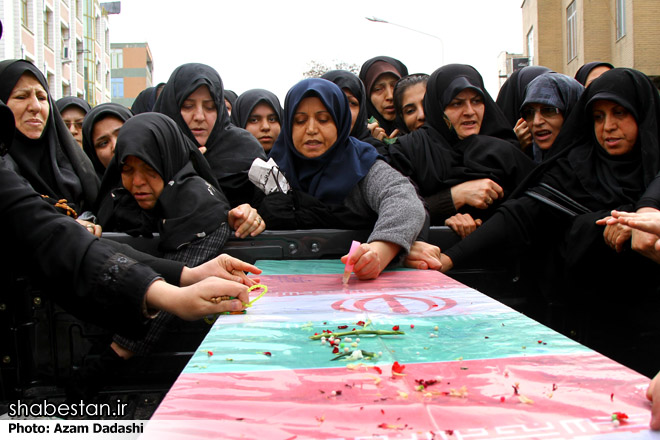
317	69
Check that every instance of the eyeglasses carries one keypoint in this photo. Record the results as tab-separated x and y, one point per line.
76	124
546	112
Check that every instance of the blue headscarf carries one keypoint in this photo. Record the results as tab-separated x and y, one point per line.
331	176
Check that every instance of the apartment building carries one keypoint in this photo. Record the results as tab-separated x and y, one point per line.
68	40
132	71
565	34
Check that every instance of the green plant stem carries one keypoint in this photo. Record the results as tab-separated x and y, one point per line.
356	333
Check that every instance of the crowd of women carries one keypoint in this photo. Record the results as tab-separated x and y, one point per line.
531	177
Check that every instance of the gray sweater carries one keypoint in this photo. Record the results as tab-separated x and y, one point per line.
388	193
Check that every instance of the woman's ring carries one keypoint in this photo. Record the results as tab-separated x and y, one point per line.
258	221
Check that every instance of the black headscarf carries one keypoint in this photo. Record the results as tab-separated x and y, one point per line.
584	71
190	205
144	102
97	113
54	164
443	86
68	101
435	159
512	91
580	168
243	106
331	176
555	90
368	78
230	150
231	96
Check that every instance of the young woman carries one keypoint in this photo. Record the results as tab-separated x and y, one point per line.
353	88
44	152
230	100
379	74
547	102
73	111
409	94
340	179
463	160
605	158
100	130
193	97
259	112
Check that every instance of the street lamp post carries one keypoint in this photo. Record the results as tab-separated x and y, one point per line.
442	43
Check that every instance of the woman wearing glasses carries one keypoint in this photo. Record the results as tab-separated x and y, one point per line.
548	101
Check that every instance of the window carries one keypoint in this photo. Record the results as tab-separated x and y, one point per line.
25	13
79	9
117	87
117	58
48	19
530	46
620	19
571	31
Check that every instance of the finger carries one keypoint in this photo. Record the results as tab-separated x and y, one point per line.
478	222
242	265
202	150
394	134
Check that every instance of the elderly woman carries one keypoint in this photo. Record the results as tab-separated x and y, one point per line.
44	152
100	130
194	98
605	158
341	179
259	112
464	159
547	102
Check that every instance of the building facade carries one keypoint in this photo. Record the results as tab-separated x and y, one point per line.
565	34
132	71
68	40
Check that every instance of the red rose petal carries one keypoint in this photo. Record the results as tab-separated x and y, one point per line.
335	350
395	328
397	368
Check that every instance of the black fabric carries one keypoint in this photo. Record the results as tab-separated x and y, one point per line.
77	270
96	114
230	150
144	102
584	70
511	94
54	164
190	205
348	80
435	159
68	101
242	106
398	66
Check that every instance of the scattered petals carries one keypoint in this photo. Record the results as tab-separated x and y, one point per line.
378	370
267	353
412	325
210	353
335	350
397	368
461	392
612	397
516	388
360	323
621	417
395	328
403	394
320	419
525	400
502	399
342	326
554	387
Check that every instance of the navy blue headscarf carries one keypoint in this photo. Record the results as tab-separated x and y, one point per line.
331	176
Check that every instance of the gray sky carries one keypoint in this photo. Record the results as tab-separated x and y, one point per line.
269	44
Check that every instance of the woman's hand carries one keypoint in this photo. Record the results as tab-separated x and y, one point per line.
645	224
94	229
245	220
463	224
523	133
480	193
198	300
370	259
377	131
615	234
222	266
423	256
